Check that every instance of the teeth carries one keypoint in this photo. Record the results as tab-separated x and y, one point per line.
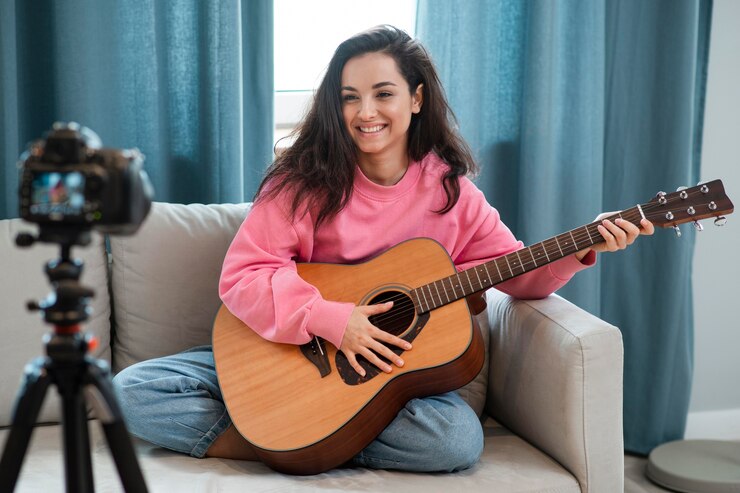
367	130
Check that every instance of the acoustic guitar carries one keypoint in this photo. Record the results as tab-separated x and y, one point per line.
303	408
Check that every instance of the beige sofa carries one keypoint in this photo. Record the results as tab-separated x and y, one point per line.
550	398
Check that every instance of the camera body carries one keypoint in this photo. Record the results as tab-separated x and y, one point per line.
70	182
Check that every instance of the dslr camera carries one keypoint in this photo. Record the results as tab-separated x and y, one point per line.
70	184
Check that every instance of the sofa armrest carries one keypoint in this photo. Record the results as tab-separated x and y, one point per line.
555	379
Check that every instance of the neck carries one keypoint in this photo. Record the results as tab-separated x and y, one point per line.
383	170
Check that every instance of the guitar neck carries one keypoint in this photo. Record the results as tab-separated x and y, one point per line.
481	277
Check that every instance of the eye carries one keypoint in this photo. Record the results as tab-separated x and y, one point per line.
349	97
384	94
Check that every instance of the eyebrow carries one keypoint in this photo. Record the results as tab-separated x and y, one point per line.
375	86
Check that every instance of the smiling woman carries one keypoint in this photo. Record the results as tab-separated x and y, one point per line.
377	104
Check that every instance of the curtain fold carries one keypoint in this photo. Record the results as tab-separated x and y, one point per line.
188	82
574	108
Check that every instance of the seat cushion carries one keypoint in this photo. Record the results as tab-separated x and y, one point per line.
508	464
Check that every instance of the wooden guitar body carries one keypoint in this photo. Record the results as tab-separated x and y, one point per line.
301	422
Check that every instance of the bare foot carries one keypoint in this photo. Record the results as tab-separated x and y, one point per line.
231	445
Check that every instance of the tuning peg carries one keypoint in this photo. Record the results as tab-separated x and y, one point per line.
698	226
720	221
678	231
683	194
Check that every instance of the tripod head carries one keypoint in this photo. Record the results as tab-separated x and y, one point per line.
68	305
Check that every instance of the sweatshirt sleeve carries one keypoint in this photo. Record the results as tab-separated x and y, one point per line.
490	238
260	284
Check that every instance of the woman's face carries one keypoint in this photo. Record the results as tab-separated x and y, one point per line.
377	106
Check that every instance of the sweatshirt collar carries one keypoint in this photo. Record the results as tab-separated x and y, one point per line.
368	188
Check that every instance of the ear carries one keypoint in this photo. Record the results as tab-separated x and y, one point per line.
417	99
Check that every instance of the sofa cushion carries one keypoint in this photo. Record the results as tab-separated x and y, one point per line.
165	279
23	279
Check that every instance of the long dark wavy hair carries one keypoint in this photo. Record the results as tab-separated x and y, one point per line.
319	167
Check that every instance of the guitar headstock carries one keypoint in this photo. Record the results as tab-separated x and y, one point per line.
689	204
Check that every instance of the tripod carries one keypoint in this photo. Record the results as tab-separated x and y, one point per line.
68	366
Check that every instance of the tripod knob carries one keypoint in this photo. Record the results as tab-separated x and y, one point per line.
25	240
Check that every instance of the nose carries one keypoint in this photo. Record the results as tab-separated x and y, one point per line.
367	109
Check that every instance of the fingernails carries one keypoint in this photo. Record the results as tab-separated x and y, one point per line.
399	362
407	345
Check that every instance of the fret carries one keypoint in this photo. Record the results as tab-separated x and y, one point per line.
445	290
438	295
531	257
451	287
431	296
459	284
506	257
490	278
520	260
575	244
531	254
425	298
558	244
470	283
415	300
544	249
480	283
589	234
495	262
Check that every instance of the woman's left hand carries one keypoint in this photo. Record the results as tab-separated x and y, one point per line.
618	234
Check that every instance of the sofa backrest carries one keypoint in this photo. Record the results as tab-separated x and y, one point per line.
165	279
22	279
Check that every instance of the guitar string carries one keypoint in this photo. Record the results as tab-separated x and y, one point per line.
407	306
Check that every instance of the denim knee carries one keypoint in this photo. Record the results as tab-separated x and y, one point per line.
468	446
433	434
173	402
462	443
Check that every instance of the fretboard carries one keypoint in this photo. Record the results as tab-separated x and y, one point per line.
483	276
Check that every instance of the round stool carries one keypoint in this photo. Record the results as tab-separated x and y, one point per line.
696	466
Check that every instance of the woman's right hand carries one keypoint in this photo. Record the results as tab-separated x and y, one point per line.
362	338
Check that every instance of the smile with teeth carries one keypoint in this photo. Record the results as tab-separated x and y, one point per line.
371	130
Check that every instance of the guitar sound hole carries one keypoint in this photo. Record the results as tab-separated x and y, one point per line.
399	318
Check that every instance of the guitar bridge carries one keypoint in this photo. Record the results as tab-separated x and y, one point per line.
315	352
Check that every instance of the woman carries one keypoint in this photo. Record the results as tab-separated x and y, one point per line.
376	161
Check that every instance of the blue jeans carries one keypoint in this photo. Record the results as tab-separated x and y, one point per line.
175	402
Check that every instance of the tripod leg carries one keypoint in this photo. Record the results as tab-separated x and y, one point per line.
30	397
114	428
77	461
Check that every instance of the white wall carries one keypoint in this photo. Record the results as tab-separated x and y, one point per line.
716	273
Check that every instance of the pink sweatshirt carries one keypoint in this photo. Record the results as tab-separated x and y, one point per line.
260	285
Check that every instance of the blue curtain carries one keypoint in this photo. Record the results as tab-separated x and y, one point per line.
578	107
189	82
